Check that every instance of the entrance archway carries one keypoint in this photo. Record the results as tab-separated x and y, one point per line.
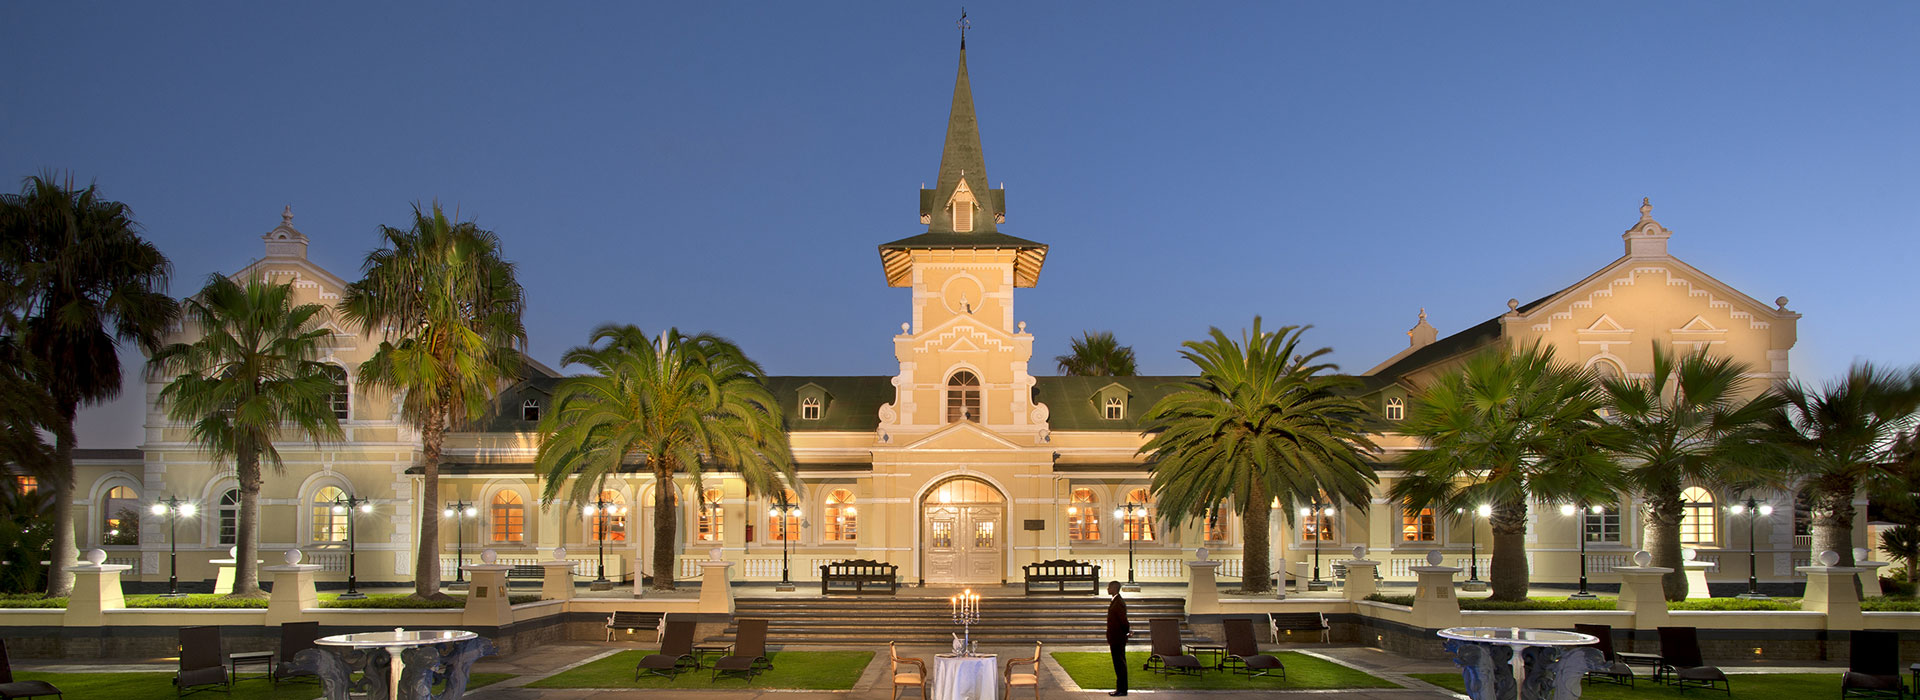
964	533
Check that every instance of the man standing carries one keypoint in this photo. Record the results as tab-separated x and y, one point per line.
1117	631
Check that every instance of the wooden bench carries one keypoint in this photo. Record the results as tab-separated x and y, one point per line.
1277	623
859	572
1062	572
527	572
631	621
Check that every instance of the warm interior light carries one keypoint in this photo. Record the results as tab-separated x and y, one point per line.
849	511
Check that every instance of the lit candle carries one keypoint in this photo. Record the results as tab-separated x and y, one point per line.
953	605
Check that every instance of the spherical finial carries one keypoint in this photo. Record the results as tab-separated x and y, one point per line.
713	554
1023	326
904	327
559	553
1781	302
96	557
1642	558
1513	304
1861	554
1360	551
1434	557
1201	553
292	556
489	556
233	552
1423	313
1689	554
1829	558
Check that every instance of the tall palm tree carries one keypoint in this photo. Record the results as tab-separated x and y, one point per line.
1097	355
249	376
81	280
1843	437
1691	420
1505	427
1265	420
448	307
666	405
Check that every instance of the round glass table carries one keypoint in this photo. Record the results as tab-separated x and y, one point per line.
1531	650
394	642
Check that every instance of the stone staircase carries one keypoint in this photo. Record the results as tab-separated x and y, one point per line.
876	620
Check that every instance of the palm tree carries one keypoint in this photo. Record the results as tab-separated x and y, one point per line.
448	307
1691	420
250	375
81	281
1842	437
1097	355
1263	421
666	405
1505	427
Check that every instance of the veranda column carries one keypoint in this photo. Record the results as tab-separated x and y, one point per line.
556	577
1830	591
716	591
1203	593
1360	570
1640	591
96	588
1434	604
293	590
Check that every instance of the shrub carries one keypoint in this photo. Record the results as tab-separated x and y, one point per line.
1405	600
1890	604
1735	604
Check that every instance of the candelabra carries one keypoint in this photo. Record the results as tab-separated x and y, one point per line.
966	611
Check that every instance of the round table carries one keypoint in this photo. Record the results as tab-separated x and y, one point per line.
972	677
393	642
1517	639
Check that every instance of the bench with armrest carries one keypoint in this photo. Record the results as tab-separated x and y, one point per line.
527	572
1061	572
1279	624
859	573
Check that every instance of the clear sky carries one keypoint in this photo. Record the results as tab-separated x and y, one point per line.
732	166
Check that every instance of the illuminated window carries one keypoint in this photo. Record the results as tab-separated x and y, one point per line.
1696	517
509	517
342	392
530	410
229	517
1115	409
1083	516
1137	522
963	397
810	408
609	524
1601	527
121	513
1217	525
328	526
1396	409
983	534
943	534
964	490
1317	526
712	516
843	520
784	524
26	484
1416	527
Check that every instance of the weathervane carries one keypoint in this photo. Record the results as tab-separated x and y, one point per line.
963	24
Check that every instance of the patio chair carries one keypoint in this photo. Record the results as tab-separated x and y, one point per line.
676	651
1030	680
1681	664
1617	671
1244	652
1873	666
201	667
1167	653
10	688
295	637
749	651
909	679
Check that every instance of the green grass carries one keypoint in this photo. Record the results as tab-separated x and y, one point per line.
383	601
1890	604
405	601
160	685
1770	686
795	670
1735	604
30	600
1094	670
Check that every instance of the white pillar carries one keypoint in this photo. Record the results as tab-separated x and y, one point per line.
556	580
488	604
1434	604
1830	591
716	591
1203	594
1641	592
1696	575
96	588
293	589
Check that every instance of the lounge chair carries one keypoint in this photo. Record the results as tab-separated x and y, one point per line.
676	651
295	637
10	688
1616	671
1873	666
201	667
1167	654
1681	664
1030	680
1243	652
909	679
749	651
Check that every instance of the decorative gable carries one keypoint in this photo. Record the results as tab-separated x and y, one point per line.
1110	402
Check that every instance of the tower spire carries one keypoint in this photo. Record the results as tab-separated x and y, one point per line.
962	182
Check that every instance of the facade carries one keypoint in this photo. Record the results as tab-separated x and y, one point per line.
959	467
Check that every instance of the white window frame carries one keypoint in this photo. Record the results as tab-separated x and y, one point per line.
810	408
1396	409
1115	409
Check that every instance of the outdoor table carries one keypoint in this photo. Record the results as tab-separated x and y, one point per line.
705	649
1217	651
239	659
458	647
971	677
1550	671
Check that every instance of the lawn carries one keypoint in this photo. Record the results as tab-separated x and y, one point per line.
1094	670
400	601
794	670
1769	686
160	685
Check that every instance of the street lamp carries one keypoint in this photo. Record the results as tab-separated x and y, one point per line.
346	505
460	511
1753	510
1318	514
1129	519
173	508
1473	538
1569	509
602	510
784	510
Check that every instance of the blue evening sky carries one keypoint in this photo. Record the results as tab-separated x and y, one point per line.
732	166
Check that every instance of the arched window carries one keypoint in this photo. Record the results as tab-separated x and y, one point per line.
229	532
1083	516
842	519
712	516
120	517
342	392
1136	520
1115	409
810	408
1604	370
963	397
509	515
783	523
329	525
530	410
1396	409
1697	525
609	524
1217	524
1416	527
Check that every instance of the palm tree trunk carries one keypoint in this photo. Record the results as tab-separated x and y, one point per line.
1508	574
664	526
1833	525
246	570
1663	540
433	432
1255	574
64	552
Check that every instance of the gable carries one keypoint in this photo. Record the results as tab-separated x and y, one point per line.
962	435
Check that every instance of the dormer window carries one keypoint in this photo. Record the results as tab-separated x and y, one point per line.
1115	409
962	206
530	410
810	409
1396	409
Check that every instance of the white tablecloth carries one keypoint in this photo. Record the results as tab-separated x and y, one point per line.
965	678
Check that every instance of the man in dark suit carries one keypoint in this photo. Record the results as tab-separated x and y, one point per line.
1117	631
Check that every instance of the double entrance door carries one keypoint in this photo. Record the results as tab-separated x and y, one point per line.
965	543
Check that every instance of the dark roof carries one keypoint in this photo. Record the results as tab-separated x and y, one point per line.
123	453
1070	402
1464	341
854	402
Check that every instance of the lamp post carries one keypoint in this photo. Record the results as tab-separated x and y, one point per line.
173	508
1473	538
1753	509
601	511
1569	509
459	511
1127	514
784	510
1319	514
346	505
